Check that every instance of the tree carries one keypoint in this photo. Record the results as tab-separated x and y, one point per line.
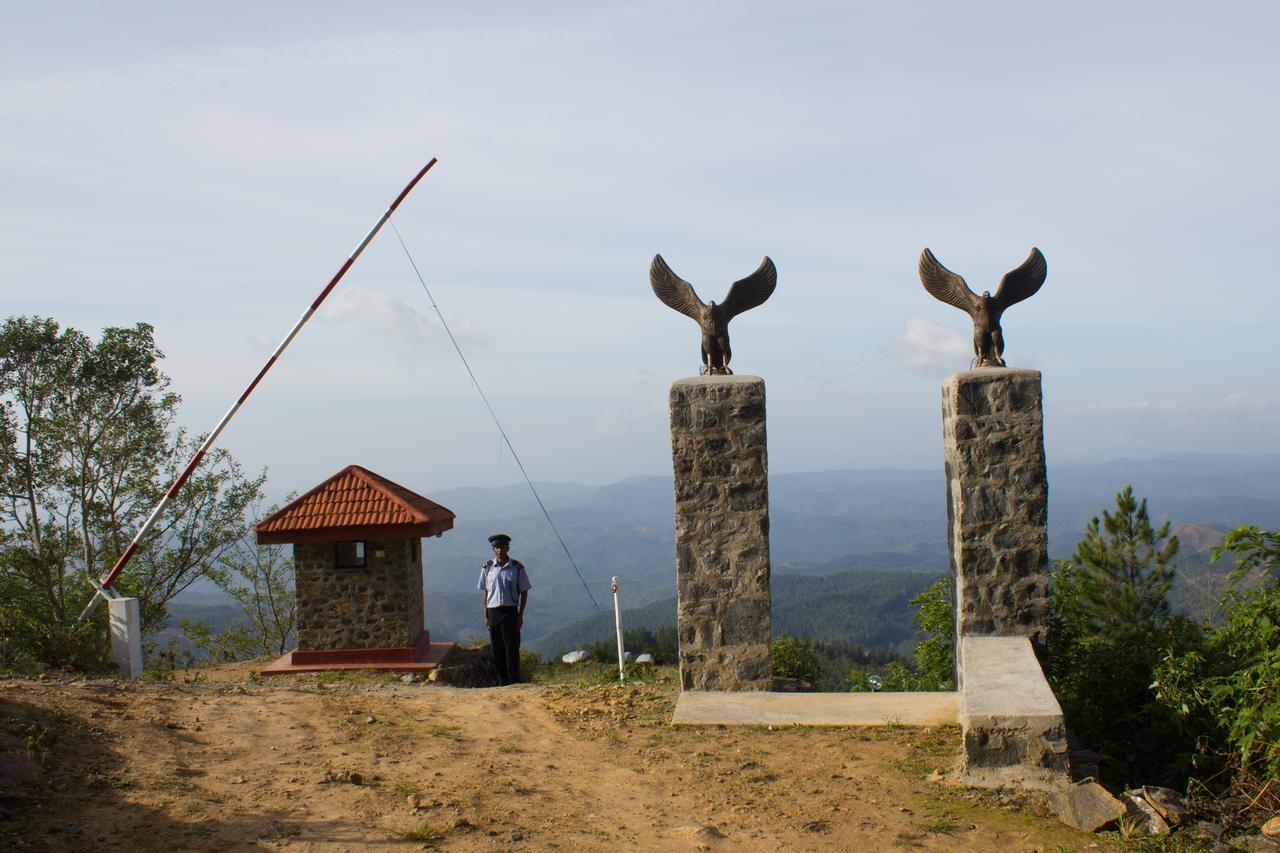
1228	690
1123	567
1110	629
933	658
260	578
88	444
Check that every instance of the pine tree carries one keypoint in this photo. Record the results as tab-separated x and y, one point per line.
1123	568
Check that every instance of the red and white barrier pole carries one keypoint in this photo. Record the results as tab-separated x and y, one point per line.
105	586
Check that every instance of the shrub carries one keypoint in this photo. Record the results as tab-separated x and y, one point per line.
1229	689
794	658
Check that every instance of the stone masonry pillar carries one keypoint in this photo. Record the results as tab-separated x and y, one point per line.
997	503
721	469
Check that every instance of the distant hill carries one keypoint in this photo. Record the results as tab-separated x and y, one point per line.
866	608
822	522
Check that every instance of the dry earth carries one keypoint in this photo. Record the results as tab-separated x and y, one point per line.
324	763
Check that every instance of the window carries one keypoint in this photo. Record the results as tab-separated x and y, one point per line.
349	555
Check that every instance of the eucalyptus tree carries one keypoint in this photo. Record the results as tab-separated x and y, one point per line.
88	444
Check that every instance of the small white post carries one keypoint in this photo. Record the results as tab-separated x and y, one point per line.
617	618
126	636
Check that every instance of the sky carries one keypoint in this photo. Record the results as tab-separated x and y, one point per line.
206	168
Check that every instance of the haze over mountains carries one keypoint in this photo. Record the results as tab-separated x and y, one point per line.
822	523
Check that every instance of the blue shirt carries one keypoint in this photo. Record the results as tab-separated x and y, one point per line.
503	584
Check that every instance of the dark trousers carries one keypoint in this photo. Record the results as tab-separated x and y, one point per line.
504	636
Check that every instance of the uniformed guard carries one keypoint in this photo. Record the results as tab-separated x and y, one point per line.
505	587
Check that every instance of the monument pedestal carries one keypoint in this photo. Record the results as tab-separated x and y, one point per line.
720	462
997	504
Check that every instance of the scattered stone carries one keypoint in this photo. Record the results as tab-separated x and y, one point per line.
645	658
1208	830
1168	802
698	831
1086	806
1151	821
577	656
1271	829
239	780
408	678
368	721
517	835
1256	844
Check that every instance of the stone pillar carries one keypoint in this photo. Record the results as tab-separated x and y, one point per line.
126	636
721	468
997	503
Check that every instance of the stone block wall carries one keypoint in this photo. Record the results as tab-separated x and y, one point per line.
997	502
377	606
721	469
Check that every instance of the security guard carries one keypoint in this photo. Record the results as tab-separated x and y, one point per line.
505	586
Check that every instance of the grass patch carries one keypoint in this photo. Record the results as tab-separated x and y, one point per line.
509	748
406	789
759	778
420	833
446	732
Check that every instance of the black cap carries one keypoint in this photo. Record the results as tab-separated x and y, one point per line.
499	539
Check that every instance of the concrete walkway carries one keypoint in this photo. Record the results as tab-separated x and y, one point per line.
709	708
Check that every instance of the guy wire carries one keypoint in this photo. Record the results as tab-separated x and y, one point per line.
492	413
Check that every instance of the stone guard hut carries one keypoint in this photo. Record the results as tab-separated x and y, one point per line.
357	549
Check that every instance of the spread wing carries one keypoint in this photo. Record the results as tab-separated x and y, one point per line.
674	291
945	285
1018	284
751	291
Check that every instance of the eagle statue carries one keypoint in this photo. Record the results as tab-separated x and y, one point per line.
713	319
1017	285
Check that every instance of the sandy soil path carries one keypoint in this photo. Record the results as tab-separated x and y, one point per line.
312	764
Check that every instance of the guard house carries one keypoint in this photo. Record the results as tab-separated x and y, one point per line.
357	553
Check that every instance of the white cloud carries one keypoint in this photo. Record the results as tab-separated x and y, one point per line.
412	331
925	347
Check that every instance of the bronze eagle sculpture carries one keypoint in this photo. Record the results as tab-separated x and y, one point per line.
1017	285
713	319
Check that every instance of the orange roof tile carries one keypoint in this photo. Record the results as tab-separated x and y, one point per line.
354	504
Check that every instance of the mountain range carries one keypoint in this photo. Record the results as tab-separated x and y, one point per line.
821	523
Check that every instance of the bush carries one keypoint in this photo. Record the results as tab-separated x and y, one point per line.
794	658
1228	689
933	659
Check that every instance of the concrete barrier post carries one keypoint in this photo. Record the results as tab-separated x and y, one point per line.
126	636
721	469
997	504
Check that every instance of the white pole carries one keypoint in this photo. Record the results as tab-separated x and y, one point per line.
617	618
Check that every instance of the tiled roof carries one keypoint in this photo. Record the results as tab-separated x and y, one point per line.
353	504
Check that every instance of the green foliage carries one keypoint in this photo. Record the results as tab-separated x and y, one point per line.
1229	689
1110	629
234	644
794	658
837	660
661	644
933	658
1123	567
260	579
88	444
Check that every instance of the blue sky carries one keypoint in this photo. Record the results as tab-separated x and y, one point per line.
207	168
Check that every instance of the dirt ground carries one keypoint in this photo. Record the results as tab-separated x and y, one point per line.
363	762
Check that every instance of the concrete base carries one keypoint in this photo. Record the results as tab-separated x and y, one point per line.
422	658
712	708
126	636
1012	723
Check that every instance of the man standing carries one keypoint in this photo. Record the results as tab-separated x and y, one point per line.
505	587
